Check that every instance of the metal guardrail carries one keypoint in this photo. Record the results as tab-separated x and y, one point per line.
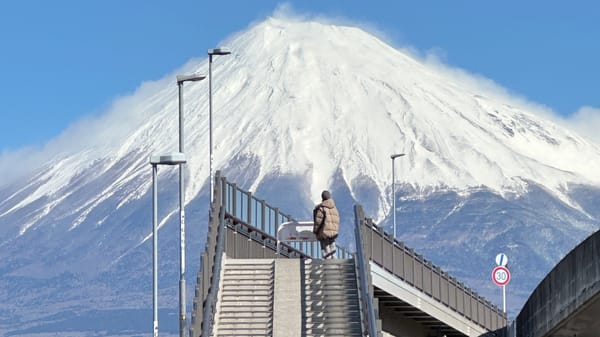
254	218
216	226
403	262
368	307
213	292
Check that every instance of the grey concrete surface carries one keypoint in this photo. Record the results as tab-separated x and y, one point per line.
567	301
287	309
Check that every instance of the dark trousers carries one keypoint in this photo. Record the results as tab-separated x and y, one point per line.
328	248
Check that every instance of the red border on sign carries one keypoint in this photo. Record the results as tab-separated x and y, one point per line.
500	283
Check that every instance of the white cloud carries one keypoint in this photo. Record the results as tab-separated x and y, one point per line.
435	58
586	121
93	132
17	163
286	11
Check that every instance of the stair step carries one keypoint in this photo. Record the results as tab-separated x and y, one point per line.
244	332
334	331
339	325
330	289
316	278
252	316
327	321
331	304
246	296
228	311
331	296
331	310
232	304
252	280
321	276
318	315
244	325
256	292
247	286
252	276
249	269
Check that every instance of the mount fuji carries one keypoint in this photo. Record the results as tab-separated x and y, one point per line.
299	106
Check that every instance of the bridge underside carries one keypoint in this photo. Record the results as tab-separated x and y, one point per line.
405	311
395	312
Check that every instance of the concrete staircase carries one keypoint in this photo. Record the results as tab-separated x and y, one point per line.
245	305
331	299
288	298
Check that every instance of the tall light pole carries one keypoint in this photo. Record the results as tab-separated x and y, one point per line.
182	319
168	159
211	53
394	156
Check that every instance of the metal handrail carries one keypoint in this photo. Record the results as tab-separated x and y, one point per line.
419	260
366	302
261	217
342	252
213	292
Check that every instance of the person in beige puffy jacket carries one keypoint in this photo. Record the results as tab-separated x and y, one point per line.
326	224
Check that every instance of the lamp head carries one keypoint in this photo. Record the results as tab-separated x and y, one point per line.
219	51
174	158
394	156
190	78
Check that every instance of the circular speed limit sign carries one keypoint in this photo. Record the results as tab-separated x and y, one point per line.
501	275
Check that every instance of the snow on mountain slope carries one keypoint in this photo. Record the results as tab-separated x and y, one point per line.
322	103
347	101
310	99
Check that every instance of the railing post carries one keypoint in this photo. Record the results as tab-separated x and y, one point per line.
393	269
382	245
250	222
276	223
234	200
218	182
224	193
262	216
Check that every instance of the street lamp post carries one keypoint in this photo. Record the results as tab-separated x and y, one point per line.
211	53
394	156
168	159
182	319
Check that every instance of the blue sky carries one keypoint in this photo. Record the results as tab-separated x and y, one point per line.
65	59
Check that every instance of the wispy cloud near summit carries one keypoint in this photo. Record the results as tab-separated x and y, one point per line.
587	122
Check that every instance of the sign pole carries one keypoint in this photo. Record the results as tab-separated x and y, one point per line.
501	276
504	298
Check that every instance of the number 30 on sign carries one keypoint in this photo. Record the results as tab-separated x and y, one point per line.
501	275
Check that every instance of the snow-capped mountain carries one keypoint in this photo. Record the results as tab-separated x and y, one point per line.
299	106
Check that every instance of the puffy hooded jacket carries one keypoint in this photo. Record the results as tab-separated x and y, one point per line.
326	220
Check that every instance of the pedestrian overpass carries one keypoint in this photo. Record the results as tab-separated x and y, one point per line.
248	285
